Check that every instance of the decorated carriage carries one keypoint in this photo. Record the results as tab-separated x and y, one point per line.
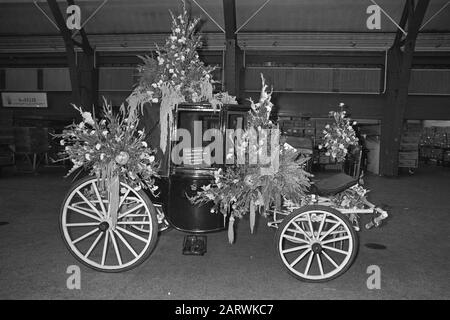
201	178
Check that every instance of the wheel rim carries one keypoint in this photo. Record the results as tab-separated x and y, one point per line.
316	245
88	230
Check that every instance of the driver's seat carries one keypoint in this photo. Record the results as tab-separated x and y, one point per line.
332	185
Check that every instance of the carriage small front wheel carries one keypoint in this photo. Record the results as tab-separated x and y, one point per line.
92	237
316	243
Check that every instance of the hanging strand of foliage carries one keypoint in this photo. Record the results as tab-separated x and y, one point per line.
176	75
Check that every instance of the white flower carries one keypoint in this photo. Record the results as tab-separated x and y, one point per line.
105	132
160	61
172	47
154	85
177	30
150	93
102	156
138	187
155	100
151	159
87	156
341	104
170	70
98	146
87	117
173	38
62	142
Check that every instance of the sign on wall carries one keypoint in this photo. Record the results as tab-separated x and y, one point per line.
24	99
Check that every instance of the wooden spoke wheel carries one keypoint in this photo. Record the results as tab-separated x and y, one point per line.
88	231
316	243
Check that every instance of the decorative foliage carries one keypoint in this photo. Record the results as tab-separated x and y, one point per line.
339	136
111	147
176	75
247	188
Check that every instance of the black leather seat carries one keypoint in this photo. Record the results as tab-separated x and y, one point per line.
332	185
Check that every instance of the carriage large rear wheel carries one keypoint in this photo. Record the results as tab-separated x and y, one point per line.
90	235
316	243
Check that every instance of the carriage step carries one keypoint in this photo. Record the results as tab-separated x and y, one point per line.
194	245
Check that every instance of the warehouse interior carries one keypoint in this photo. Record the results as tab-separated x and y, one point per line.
393	79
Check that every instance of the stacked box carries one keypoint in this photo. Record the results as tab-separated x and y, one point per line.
408	157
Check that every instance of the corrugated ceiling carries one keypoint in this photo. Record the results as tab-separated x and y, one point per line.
131	17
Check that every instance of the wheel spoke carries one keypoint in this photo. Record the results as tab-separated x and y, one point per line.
93	245
301	230
84	213
308	265
335	250
335	240
99	198
294	239
330	230
330	259
134	222
310	225
131	234
322	223
295	249
300	257
137	215
116	248
82	224
130	210
105	247
85	236
89	203
126	243
124	197
319	262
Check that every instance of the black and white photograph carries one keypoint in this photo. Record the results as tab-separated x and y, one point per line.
224	156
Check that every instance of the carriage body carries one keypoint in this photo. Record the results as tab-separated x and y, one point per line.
315	240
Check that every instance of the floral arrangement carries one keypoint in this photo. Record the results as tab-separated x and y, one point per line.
112	147
243	189
339	136
176	75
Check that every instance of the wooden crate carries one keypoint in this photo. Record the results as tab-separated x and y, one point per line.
408	155
407	163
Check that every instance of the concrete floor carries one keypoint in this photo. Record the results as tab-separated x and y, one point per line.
415	264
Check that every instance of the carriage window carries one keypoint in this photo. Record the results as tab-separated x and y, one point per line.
237	120
194	153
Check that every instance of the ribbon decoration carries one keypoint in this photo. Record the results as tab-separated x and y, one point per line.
114	196
252	215
231	230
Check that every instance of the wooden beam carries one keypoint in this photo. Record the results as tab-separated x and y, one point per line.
399	71
83	74
232	69
70	49
84	39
